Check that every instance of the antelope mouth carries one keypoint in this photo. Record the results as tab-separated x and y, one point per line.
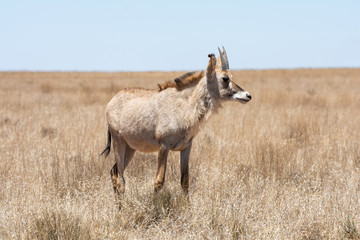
243	100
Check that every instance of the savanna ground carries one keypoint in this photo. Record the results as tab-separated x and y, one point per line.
284	166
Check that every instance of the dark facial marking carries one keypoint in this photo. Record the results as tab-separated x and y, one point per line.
226	79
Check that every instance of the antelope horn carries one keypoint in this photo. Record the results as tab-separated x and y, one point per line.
224	59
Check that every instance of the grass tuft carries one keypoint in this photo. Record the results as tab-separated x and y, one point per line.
349	230
53	226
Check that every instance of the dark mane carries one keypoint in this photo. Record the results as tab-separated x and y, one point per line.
184	81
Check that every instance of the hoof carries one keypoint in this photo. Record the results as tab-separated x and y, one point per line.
158	187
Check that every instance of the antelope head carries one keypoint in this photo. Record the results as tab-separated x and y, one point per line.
219	76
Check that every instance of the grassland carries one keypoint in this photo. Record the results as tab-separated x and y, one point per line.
284	166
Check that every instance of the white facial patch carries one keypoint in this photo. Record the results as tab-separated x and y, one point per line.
241	96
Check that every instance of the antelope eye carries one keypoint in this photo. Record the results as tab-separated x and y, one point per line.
225	79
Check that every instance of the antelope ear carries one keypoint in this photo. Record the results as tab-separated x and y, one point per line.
210	71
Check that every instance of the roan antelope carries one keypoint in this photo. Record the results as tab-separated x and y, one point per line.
168	119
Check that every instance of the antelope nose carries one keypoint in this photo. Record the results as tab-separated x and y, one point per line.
248	95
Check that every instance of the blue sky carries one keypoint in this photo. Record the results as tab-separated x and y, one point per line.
166	35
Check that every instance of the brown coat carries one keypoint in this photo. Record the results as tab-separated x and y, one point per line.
149	120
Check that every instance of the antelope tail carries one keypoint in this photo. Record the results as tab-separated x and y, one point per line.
108	145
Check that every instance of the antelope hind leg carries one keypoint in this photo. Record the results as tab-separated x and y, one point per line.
117	171
114	176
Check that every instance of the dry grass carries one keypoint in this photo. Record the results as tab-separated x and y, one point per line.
284	166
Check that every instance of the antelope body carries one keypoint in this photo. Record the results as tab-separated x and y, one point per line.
150	120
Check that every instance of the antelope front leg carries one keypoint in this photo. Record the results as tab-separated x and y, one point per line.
160	175
184	167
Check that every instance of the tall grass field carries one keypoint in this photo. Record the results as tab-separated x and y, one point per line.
284	166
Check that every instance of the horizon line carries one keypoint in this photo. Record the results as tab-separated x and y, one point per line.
143	71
